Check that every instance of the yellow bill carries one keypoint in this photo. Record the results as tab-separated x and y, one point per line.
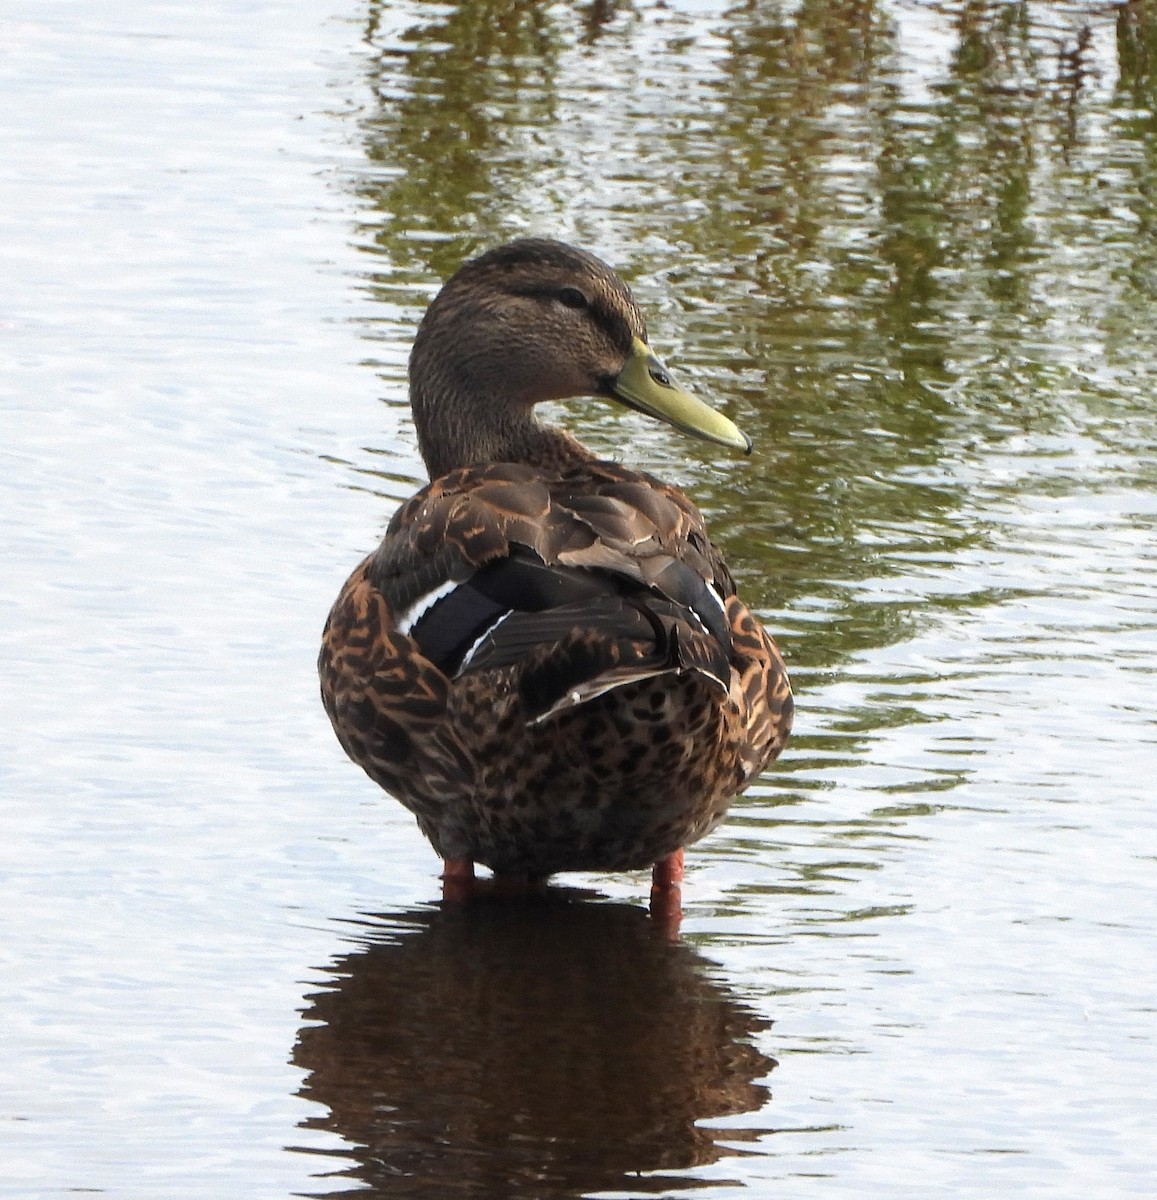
646	385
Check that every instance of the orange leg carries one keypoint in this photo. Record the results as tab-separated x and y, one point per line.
667	893
458	881
668	871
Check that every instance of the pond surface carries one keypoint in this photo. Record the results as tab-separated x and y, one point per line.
912	249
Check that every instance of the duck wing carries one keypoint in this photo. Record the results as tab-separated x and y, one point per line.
606	568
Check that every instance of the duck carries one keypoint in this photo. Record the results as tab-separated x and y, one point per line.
545	660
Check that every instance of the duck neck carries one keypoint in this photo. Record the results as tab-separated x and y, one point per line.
455	430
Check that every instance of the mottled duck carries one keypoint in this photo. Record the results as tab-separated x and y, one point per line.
545	659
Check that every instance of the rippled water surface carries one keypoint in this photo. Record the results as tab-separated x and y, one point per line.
912	249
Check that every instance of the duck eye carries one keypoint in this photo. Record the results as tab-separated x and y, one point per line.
572	298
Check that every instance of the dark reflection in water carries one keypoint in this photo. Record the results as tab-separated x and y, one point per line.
545	1048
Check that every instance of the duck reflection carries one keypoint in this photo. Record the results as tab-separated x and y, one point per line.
545	1047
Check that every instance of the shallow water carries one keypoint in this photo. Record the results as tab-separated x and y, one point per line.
910	248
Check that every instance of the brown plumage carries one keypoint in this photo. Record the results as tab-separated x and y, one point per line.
545	659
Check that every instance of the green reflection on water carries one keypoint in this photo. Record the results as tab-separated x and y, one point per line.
460	96
892	240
